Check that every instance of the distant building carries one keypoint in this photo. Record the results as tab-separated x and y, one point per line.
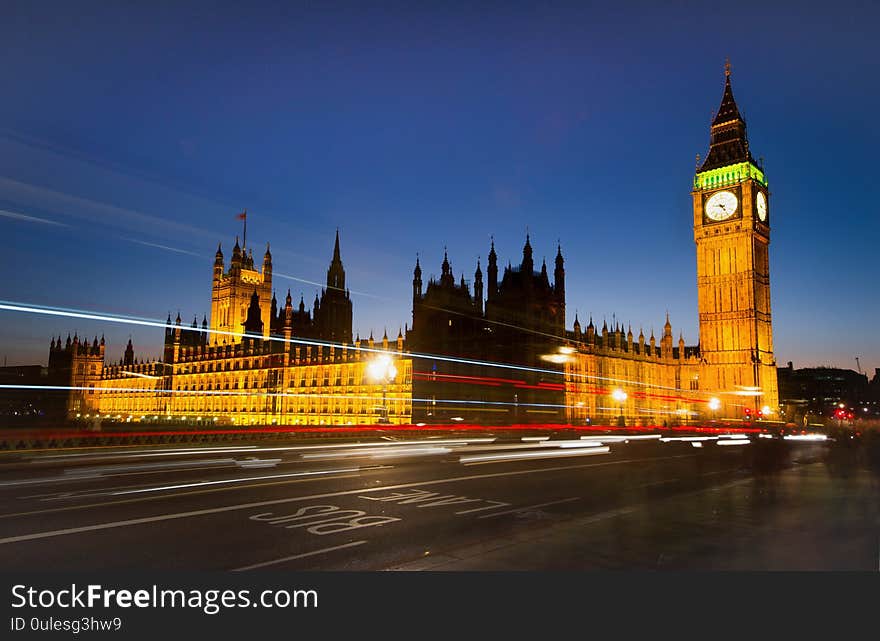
818	392
25	397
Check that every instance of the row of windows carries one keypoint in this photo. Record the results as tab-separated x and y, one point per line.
392	410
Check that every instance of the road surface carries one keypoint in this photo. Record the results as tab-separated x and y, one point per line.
443	502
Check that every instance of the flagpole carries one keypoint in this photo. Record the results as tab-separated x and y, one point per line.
244	246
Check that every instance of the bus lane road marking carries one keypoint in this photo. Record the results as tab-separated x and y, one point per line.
321	520
425	498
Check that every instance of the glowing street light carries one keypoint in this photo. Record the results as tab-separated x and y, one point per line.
714	406
620	396
382	370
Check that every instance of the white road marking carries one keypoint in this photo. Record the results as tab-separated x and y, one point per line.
483	509
244	506
528	507
298	556
238	480
155	497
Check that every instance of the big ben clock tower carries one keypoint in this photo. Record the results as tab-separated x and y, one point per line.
732	234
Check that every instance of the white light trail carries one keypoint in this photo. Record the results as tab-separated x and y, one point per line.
380	452
501	458
30	219
14	306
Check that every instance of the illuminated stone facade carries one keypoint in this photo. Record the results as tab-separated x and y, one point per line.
505	357
732	234
731	373
653	384
231	290
254	365
261	382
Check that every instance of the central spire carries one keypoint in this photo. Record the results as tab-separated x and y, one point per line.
528	264
336	272
728	143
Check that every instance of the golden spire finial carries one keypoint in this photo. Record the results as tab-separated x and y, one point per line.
727	67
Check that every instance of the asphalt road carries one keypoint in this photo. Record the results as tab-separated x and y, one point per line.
491	501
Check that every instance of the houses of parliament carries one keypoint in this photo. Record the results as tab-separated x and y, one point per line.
498	352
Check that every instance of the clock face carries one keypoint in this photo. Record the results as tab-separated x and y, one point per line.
721	205
761	206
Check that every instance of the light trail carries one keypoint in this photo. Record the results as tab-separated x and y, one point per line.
137	375
165	247
14	306
264	395
542	446
632	437
326	286
381	452
146	453
503	458
30	219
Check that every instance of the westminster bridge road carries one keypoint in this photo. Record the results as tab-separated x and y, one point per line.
482	500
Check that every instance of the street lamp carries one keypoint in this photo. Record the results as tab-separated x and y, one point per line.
620	396
382	370
714	406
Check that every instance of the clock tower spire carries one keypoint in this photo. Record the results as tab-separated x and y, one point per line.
732	235
728	142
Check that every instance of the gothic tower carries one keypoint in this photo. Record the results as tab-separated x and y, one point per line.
231	294
333	313
732	235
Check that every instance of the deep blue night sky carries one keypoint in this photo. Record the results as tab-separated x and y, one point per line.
132	137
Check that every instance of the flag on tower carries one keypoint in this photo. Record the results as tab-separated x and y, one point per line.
243	216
